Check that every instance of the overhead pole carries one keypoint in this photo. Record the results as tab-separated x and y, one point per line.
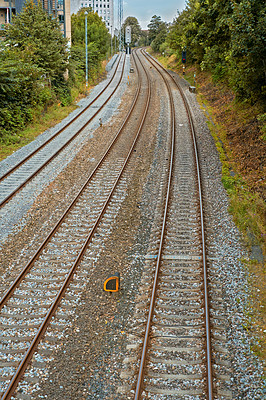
120	23
10	12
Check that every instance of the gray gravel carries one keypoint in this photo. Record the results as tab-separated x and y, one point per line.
225	267
88	361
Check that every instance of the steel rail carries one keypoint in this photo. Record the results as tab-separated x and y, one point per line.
12	169
157	268
32	348
3	202
204	257
26	269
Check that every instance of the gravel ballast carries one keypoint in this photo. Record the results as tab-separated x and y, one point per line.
88	360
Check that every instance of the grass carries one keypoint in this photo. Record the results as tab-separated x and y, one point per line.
53	115
246	206
248	211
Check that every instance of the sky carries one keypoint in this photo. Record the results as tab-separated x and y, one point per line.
143	10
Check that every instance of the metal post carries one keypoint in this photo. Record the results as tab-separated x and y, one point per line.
120	22
64	12
10	12
111	41
86	47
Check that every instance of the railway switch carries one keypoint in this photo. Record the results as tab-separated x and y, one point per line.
112	283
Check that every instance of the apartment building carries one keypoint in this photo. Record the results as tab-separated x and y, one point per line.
105	9
7	8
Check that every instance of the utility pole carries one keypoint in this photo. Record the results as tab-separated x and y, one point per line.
10	12
64	13
86	47
120	23
111	41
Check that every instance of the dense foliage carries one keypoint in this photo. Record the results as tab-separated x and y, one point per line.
157	32
35	60
20	89
98	42
226	37
35	30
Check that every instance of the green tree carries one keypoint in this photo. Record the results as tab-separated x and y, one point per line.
247	56
155	25
33	59
97	32
143	40
157	32
135	29
226	38
22	89
34	29
98	42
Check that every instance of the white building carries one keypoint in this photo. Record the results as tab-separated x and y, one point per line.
105	9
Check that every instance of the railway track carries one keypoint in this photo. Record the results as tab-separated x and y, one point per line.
19	175
37	308
173	357
28	306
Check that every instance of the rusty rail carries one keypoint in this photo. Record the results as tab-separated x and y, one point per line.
33	346
152	301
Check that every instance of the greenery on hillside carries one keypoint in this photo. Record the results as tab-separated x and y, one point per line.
227	38
35	61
